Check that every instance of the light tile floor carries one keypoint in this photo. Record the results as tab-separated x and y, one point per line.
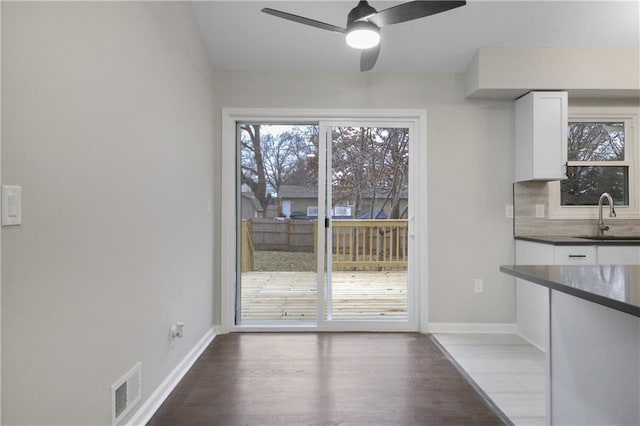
507	368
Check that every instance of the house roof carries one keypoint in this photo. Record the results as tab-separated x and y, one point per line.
254	201
382	192
298	191
311	191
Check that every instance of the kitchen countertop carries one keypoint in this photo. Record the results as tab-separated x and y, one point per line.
614	286
578	241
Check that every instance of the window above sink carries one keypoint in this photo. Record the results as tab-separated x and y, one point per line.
603	156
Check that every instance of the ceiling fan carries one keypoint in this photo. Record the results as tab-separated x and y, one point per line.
364	22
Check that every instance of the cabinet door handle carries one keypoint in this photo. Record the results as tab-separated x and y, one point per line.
577	255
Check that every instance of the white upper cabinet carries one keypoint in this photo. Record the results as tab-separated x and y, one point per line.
541	136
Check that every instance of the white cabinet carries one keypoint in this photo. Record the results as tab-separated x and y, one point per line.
531	253
574	255
618	255
541	136
532	300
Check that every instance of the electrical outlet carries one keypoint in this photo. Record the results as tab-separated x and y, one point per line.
176	331
478	285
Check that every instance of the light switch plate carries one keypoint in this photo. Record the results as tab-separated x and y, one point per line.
11	205
478	285
508	211
539	210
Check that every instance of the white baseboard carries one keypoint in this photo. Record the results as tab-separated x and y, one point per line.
155	400
463	327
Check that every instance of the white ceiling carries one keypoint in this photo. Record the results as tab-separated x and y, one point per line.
241	38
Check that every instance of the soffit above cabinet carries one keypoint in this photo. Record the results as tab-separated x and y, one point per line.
508	73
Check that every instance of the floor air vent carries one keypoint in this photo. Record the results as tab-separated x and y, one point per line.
125	394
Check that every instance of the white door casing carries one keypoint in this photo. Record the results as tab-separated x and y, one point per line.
416	121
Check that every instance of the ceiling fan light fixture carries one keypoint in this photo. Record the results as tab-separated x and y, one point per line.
364	23
363	35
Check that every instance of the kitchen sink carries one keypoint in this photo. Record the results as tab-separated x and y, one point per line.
612	238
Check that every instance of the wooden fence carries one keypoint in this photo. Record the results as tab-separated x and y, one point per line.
283	235
357	244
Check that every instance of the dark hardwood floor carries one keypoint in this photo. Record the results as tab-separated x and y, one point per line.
324	379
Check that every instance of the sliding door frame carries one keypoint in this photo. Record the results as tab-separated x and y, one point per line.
416	119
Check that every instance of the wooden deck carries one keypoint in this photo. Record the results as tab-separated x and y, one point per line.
291	296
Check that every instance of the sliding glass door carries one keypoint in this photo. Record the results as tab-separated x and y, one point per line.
323	232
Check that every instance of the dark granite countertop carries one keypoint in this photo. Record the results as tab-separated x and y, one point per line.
614	286
581	241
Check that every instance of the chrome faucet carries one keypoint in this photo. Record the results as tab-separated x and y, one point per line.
612	213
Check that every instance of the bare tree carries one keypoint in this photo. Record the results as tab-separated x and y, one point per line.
253	172
271	158
371	163
595	141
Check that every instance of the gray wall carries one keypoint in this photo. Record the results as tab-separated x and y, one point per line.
108	113
470	171
107	124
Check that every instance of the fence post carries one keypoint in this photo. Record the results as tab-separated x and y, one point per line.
248	262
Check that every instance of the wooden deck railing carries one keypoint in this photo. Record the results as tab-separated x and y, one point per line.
358	244
370	244
248	259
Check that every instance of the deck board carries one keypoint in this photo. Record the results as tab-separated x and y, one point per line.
291	296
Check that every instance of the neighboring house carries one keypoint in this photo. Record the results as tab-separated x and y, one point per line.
250	206
379	212
296	199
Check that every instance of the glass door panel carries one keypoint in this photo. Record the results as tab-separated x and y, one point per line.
277	202
367	240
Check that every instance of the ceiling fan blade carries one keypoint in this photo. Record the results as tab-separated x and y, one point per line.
368	58
303	20
413	10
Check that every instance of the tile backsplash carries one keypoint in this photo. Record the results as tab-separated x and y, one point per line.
527	195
